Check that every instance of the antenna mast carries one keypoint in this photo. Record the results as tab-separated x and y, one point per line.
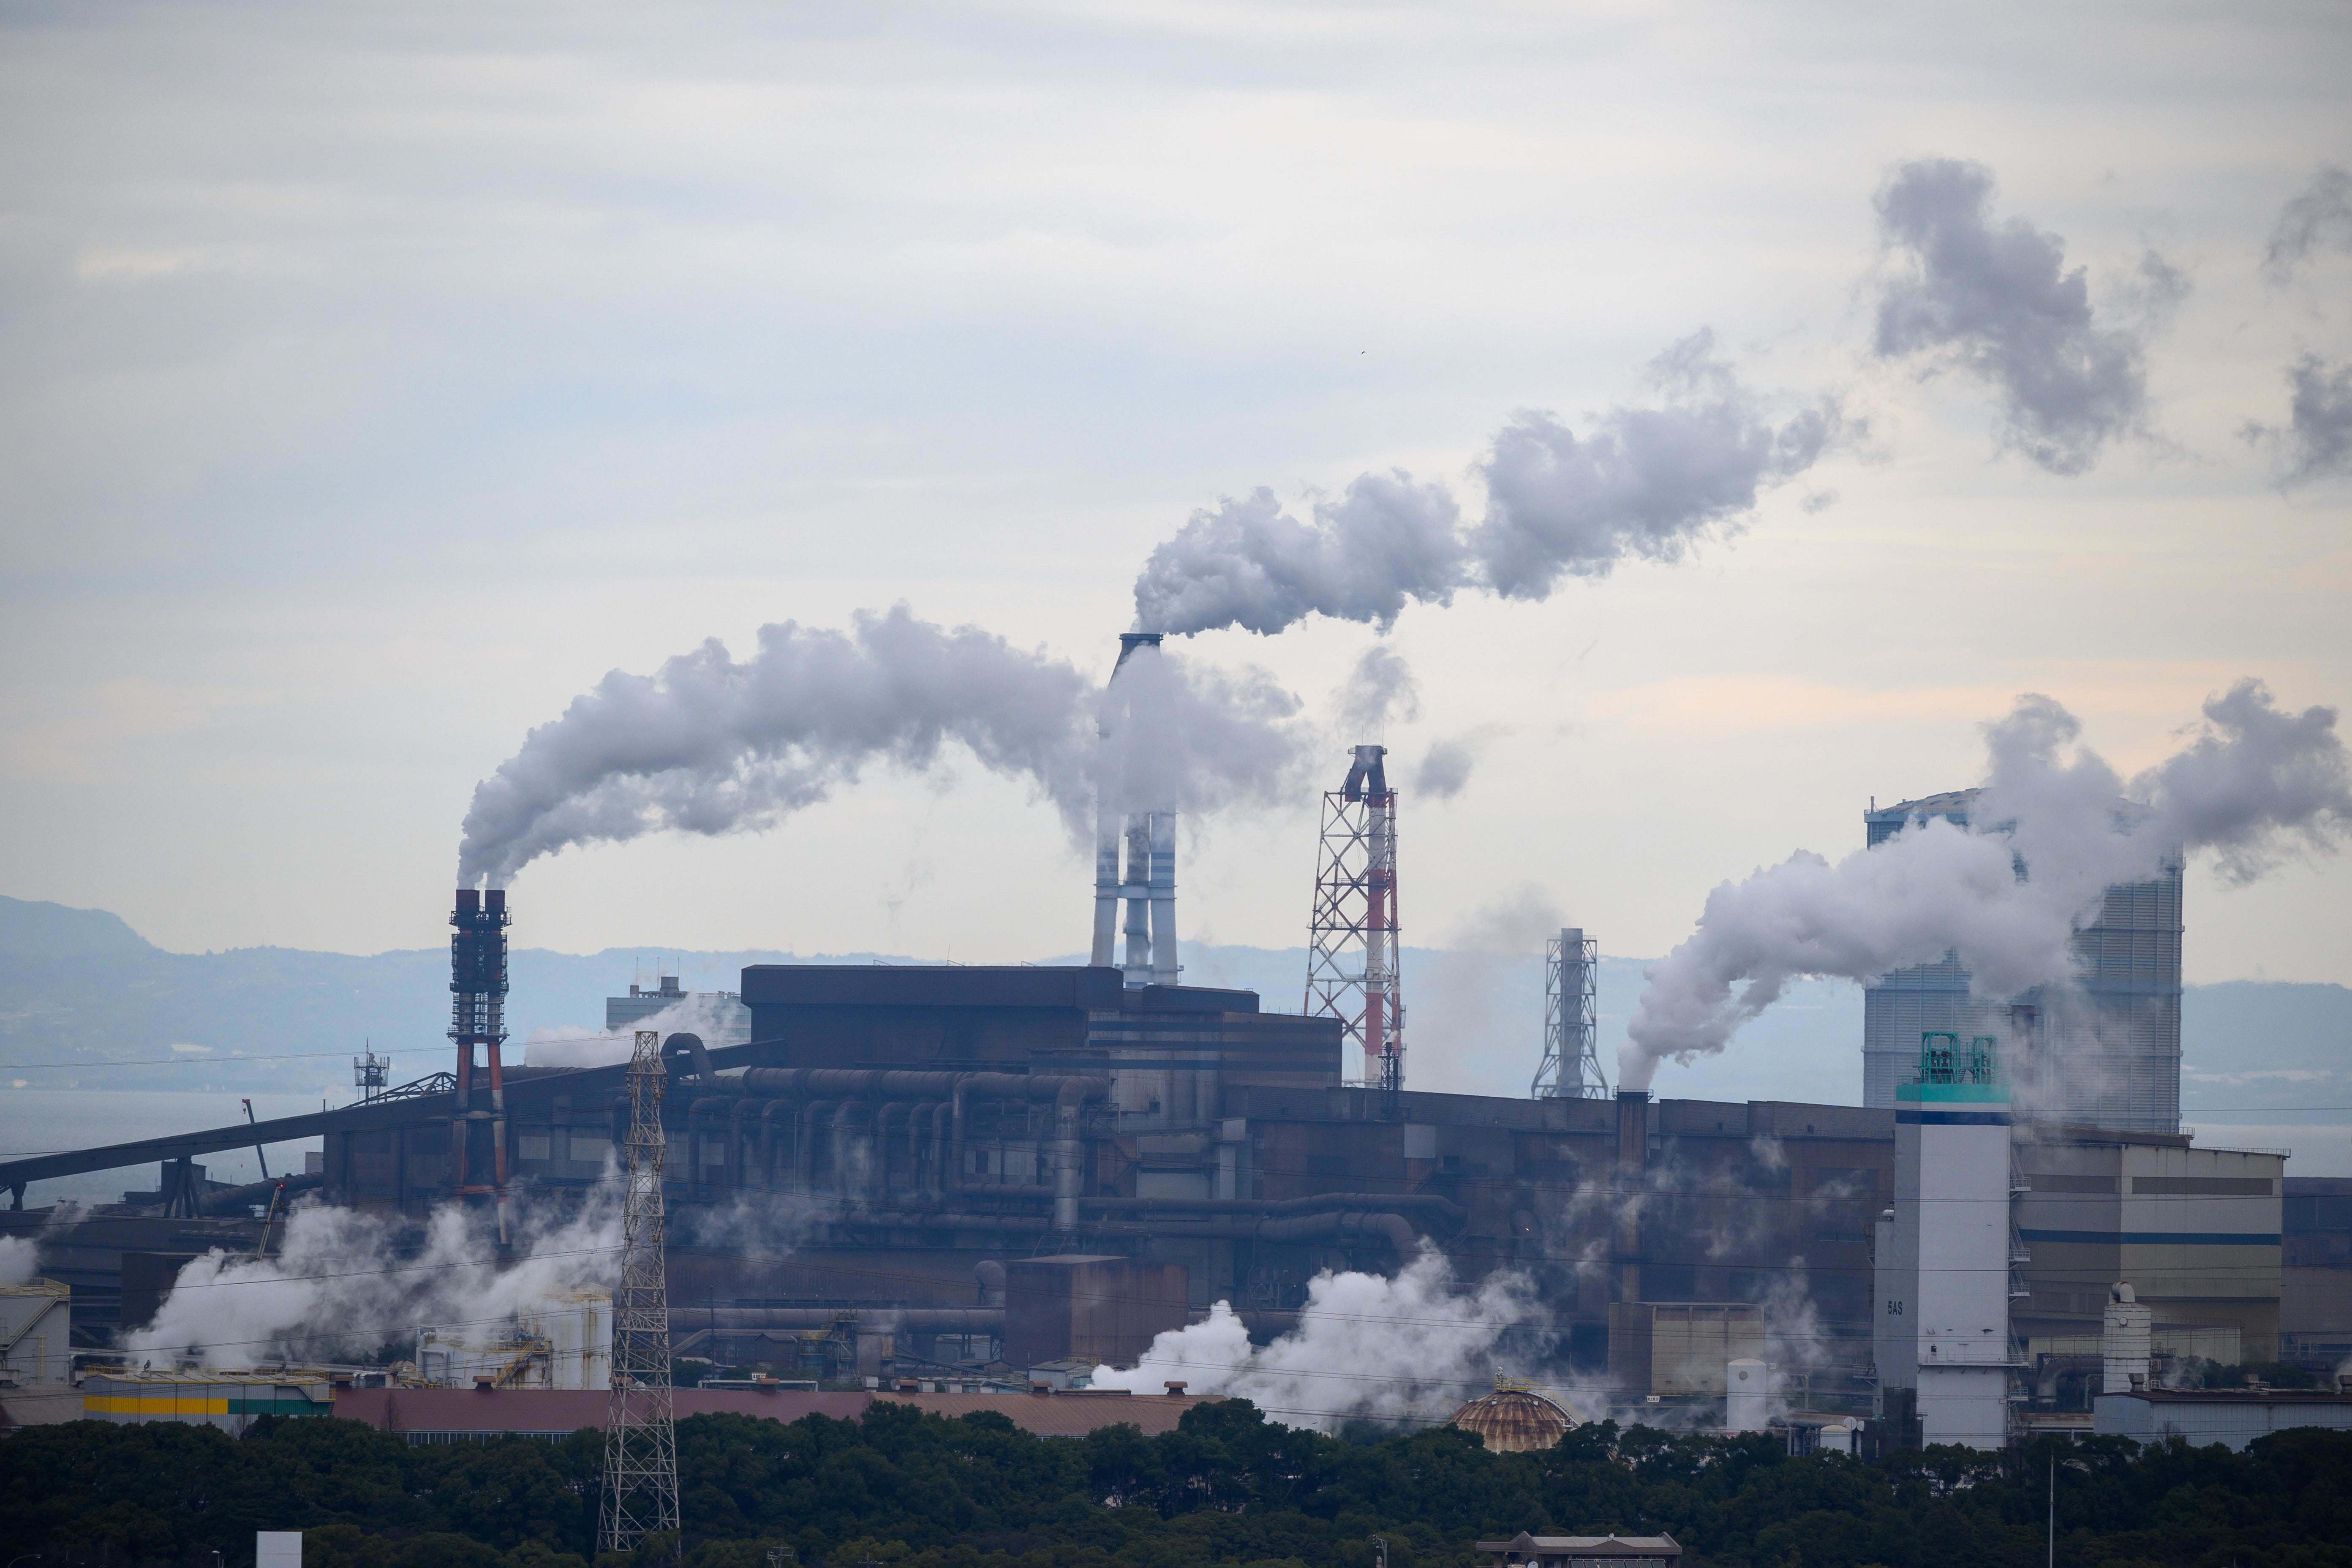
1571	1058
1351	938
640	1426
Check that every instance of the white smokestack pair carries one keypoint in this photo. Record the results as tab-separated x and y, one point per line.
1148	883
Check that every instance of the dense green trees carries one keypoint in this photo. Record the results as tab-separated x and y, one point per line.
906	1491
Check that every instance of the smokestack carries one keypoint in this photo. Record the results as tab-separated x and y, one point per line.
477	996
1147	883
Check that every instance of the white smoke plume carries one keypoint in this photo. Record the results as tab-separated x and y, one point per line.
1645	483
2256	785
342	1286
1642	482
20	1259
1381	683
2319	217
710	744
1445	769
2316	442
1998	302
705	1014
1408	1350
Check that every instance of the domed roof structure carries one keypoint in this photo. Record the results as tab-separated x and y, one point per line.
1513	1421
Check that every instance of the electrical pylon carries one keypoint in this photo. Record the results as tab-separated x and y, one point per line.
640	1424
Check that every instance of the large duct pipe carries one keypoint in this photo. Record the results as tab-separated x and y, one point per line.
1633	1166
878	1319
1137	970
1163	898
1106	890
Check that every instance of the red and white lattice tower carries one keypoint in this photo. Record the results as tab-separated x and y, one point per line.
1351	939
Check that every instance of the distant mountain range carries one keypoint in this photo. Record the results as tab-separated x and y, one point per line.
81	990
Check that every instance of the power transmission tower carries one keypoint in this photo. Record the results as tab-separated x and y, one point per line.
1351	954
1571	1059
640	1425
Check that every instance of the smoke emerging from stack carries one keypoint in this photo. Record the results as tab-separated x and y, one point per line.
2053	827
342	1286
712	745
1410	1349
1643	483
20	1258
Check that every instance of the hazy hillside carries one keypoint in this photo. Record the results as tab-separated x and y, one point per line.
79	987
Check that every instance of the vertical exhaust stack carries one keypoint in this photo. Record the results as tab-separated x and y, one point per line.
1146	884
478	989
1355	911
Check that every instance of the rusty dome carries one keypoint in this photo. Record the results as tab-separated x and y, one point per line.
1513	1421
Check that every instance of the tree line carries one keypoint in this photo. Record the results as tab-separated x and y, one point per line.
1227	1489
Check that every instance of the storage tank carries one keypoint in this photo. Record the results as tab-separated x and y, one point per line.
578	1327
2124	1340
1747	1396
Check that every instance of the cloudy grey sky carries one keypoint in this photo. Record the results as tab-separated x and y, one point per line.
374	379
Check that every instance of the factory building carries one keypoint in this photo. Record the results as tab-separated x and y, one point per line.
1942	1339
720	1017
36	1333
232	1401
2107	1057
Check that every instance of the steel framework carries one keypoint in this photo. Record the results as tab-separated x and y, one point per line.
640	1424
477	996
1351	937
1571	1058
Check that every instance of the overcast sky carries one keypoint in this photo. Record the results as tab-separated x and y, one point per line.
374	379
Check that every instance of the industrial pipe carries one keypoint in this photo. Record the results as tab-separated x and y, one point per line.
768	1113
1426	1203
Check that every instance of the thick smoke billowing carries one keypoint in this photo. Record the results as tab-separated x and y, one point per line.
1410	1349
2317	441
20	1258
1998	301
2319	217
341	1286
707	1016
1249	564
2256	785
1643	483
713	745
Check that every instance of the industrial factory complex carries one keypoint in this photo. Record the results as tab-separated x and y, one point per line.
958	1179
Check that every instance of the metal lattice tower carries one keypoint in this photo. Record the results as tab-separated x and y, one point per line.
640	1428
1571	1059
1351	938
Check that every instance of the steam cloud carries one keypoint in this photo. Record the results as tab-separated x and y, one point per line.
2318	442
1445	770
20	1259
1643	482
2257	784
342	1287
1380	683
712	745
2318	217
1998	302
1408	1348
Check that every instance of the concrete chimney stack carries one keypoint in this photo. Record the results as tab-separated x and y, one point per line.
1146	882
